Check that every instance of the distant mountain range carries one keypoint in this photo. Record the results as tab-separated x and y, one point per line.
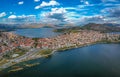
92	26
11	27
106	27
112	24
102	27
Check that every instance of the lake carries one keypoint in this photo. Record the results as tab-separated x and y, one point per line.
36	33
100	60
114	33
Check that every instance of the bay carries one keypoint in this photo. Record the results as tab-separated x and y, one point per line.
36	33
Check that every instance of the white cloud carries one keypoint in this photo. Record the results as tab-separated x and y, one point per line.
18	19
2	14
86	2
12	16
21	3
70	8
54	11
109	0
36	0
20	16
56	14
50	3
37	7
85	19
58	10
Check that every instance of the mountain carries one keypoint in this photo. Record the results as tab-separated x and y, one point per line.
9	27
101	27
91	26
112	24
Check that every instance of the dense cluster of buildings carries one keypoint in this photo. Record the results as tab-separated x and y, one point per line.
9	41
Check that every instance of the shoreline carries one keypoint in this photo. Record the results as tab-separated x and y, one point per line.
46	47
62	50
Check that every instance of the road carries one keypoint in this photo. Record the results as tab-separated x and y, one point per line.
31	54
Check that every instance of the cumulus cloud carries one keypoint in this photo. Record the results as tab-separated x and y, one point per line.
86	19
36	0
2	14
21	18
112	12
56	13
12	16
50	3
21	3
58	10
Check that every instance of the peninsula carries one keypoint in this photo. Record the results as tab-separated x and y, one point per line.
15	48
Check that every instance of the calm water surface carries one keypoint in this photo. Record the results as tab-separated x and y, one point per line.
114	33
100	60
37	33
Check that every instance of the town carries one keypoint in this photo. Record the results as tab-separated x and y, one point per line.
10	42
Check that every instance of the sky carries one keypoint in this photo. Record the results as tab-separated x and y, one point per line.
60	11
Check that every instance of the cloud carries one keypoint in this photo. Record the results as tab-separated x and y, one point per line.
2	14
12	16
37	7
105	1
110	5
115	12
84	2
50	21
112	12
20	3
56	16
86	19
70	8
21	18
58	10
56	13
50	3
96	18
36	0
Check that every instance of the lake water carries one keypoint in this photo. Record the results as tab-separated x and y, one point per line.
114	33
100	60
37	33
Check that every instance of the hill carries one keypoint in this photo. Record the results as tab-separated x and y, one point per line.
101	27
91	26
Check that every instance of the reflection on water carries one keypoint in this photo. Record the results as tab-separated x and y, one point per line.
101	60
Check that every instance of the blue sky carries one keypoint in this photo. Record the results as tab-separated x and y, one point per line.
60	11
